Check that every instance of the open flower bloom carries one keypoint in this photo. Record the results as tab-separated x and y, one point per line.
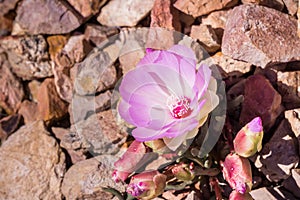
234	195
166	97
248	141
147	185
237	172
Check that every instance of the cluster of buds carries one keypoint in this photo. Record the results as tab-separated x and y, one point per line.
236	167
183	171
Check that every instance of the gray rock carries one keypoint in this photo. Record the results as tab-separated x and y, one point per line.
97	34
280	155
32	165
85	179
261	36
293	116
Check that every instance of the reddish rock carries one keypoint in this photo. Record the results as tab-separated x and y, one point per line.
28	56
56	44
7	5
34	89
32	165
115	13
298	21
197	8
280	155
63	84
289	88
292	6
50	105
97	34
11	89
6	24
292	184
276	4
87	8
49	17
251	35
8	125
206	36
264	102
29	111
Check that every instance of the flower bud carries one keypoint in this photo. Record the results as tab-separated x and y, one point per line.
147	185
234	195
237	172
184	172
129	162
248	141
157	146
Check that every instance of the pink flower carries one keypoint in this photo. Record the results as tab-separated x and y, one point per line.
166	97
237	172
248	141
147	185
234	195
129	162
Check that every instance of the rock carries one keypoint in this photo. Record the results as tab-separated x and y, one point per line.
164	15
115	13
298	21
28	56
97	34
7	5
50	106
271	193
56	44
276	4
11	89
292	6
99	133
6	24
82	106
8	125
265	103
280	155
130	60
292	184
85	179
289	88
29	111
32	164
34	89
217	20
250	35
197	8
206	36
87	8
293	116
49	16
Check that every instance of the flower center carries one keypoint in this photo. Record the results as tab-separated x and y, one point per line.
179	106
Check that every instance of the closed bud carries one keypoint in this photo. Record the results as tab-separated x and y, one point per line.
157	146
147	185
234	195
129	162
237	172
183	171
248	141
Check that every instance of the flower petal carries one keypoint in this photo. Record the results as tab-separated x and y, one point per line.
184	51
145	134
202	79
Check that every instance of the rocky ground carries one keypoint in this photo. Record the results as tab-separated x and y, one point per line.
51	146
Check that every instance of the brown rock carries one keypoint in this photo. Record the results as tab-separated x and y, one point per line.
8	125
97	34
292	184
28	56
276	4
271	193
130	60
32	165
115	13
164	15
7	5
207	37
217	20
298	15
49	17
289	88
85	179
50	106
292	6
56	44
6	24
29	111
87	8
11	90
197	8
251	35
280	155
34	89
264	102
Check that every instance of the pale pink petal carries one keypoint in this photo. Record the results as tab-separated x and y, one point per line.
184	51
149	58
144	134
202	79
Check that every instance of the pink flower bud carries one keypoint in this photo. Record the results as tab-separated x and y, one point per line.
184	172
237	172
129	162
147	185
234	195
248	141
